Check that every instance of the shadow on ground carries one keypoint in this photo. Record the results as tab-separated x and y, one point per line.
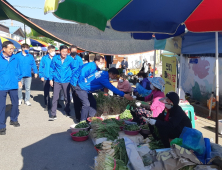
57	152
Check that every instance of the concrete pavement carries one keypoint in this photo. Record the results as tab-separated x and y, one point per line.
39	144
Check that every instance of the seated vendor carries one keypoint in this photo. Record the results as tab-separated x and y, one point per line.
171	121
123	84
144	84
154	107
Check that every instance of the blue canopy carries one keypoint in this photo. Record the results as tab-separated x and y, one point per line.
148	36
200	43
154	16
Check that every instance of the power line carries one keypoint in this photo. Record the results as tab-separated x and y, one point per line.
27	7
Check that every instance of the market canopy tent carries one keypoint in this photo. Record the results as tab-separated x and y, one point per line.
159	16
84	37
16	43
34	42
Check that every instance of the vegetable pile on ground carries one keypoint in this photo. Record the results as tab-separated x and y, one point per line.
145	127
107	130
119	122
106	162
82	124
95	120
111	156
81	133
155	144
132	127
126	115
111	105
120	151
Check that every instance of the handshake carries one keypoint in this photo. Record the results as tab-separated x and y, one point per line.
150	121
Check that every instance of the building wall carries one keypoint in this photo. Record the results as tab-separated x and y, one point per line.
198	79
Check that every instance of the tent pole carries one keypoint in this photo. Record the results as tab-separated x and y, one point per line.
25	33
154	63
180	75
217	86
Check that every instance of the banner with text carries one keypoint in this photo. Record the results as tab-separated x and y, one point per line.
169	73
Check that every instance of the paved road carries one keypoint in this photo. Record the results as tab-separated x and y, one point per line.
42	145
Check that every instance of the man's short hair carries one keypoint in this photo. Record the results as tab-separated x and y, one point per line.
25	45
142	74
6	43
72	46
113	70
51	47
98	57
63	47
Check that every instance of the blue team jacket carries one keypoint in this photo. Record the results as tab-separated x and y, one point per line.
87	70
61	72
78	63
10	73
98	81
27	63
44	67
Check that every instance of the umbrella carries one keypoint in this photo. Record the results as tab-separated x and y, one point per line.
208	18
159	16
34	43
16	44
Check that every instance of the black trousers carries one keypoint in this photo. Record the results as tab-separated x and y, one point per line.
165	133
47	87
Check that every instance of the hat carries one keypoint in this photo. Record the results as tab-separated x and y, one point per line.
158	82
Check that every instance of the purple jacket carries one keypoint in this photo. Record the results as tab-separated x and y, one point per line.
145	83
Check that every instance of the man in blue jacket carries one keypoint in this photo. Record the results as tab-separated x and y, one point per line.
61	70
78	66
11	76
97	81
82	73
44	69
27	65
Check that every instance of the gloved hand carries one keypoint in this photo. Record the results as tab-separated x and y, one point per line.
151	121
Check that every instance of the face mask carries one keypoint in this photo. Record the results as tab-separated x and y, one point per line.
168	106
52	54
152	87
100	66
26	51
73	54
120	80
140	79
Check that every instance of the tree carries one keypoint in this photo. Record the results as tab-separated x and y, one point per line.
44	39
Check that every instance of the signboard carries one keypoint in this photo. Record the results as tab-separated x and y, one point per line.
169	73
193	60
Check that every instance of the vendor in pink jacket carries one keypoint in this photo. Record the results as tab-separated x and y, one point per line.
154	107
124	85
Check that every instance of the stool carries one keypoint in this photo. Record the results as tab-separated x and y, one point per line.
191	115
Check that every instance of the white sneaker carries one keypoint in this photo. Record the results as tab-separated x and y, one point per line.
20	102
28	103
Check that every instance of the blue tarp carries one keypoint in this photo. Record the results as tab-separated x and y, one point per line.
200	43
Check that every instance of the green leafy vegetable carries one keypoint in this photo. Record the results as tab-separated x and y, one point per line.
120	151
145	127
82	124
132	127
99	146
119	122
108	130
81	133
155	144
126	115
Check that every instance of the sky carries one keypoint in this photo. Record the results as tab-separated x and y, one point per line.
33	13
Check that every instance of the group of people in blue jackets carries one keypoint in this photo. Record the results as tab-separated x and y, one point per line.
64	72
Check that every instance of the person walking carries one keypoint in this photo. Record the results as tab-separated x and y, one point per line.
78	62
124	65
27	65
11	76
61	70
94	82
44	74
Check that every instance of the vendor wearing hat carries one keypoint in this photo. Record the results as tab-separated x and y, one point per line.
171	121
154	107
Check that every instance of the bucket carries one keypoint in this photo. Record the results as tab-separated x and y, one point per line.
220	126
